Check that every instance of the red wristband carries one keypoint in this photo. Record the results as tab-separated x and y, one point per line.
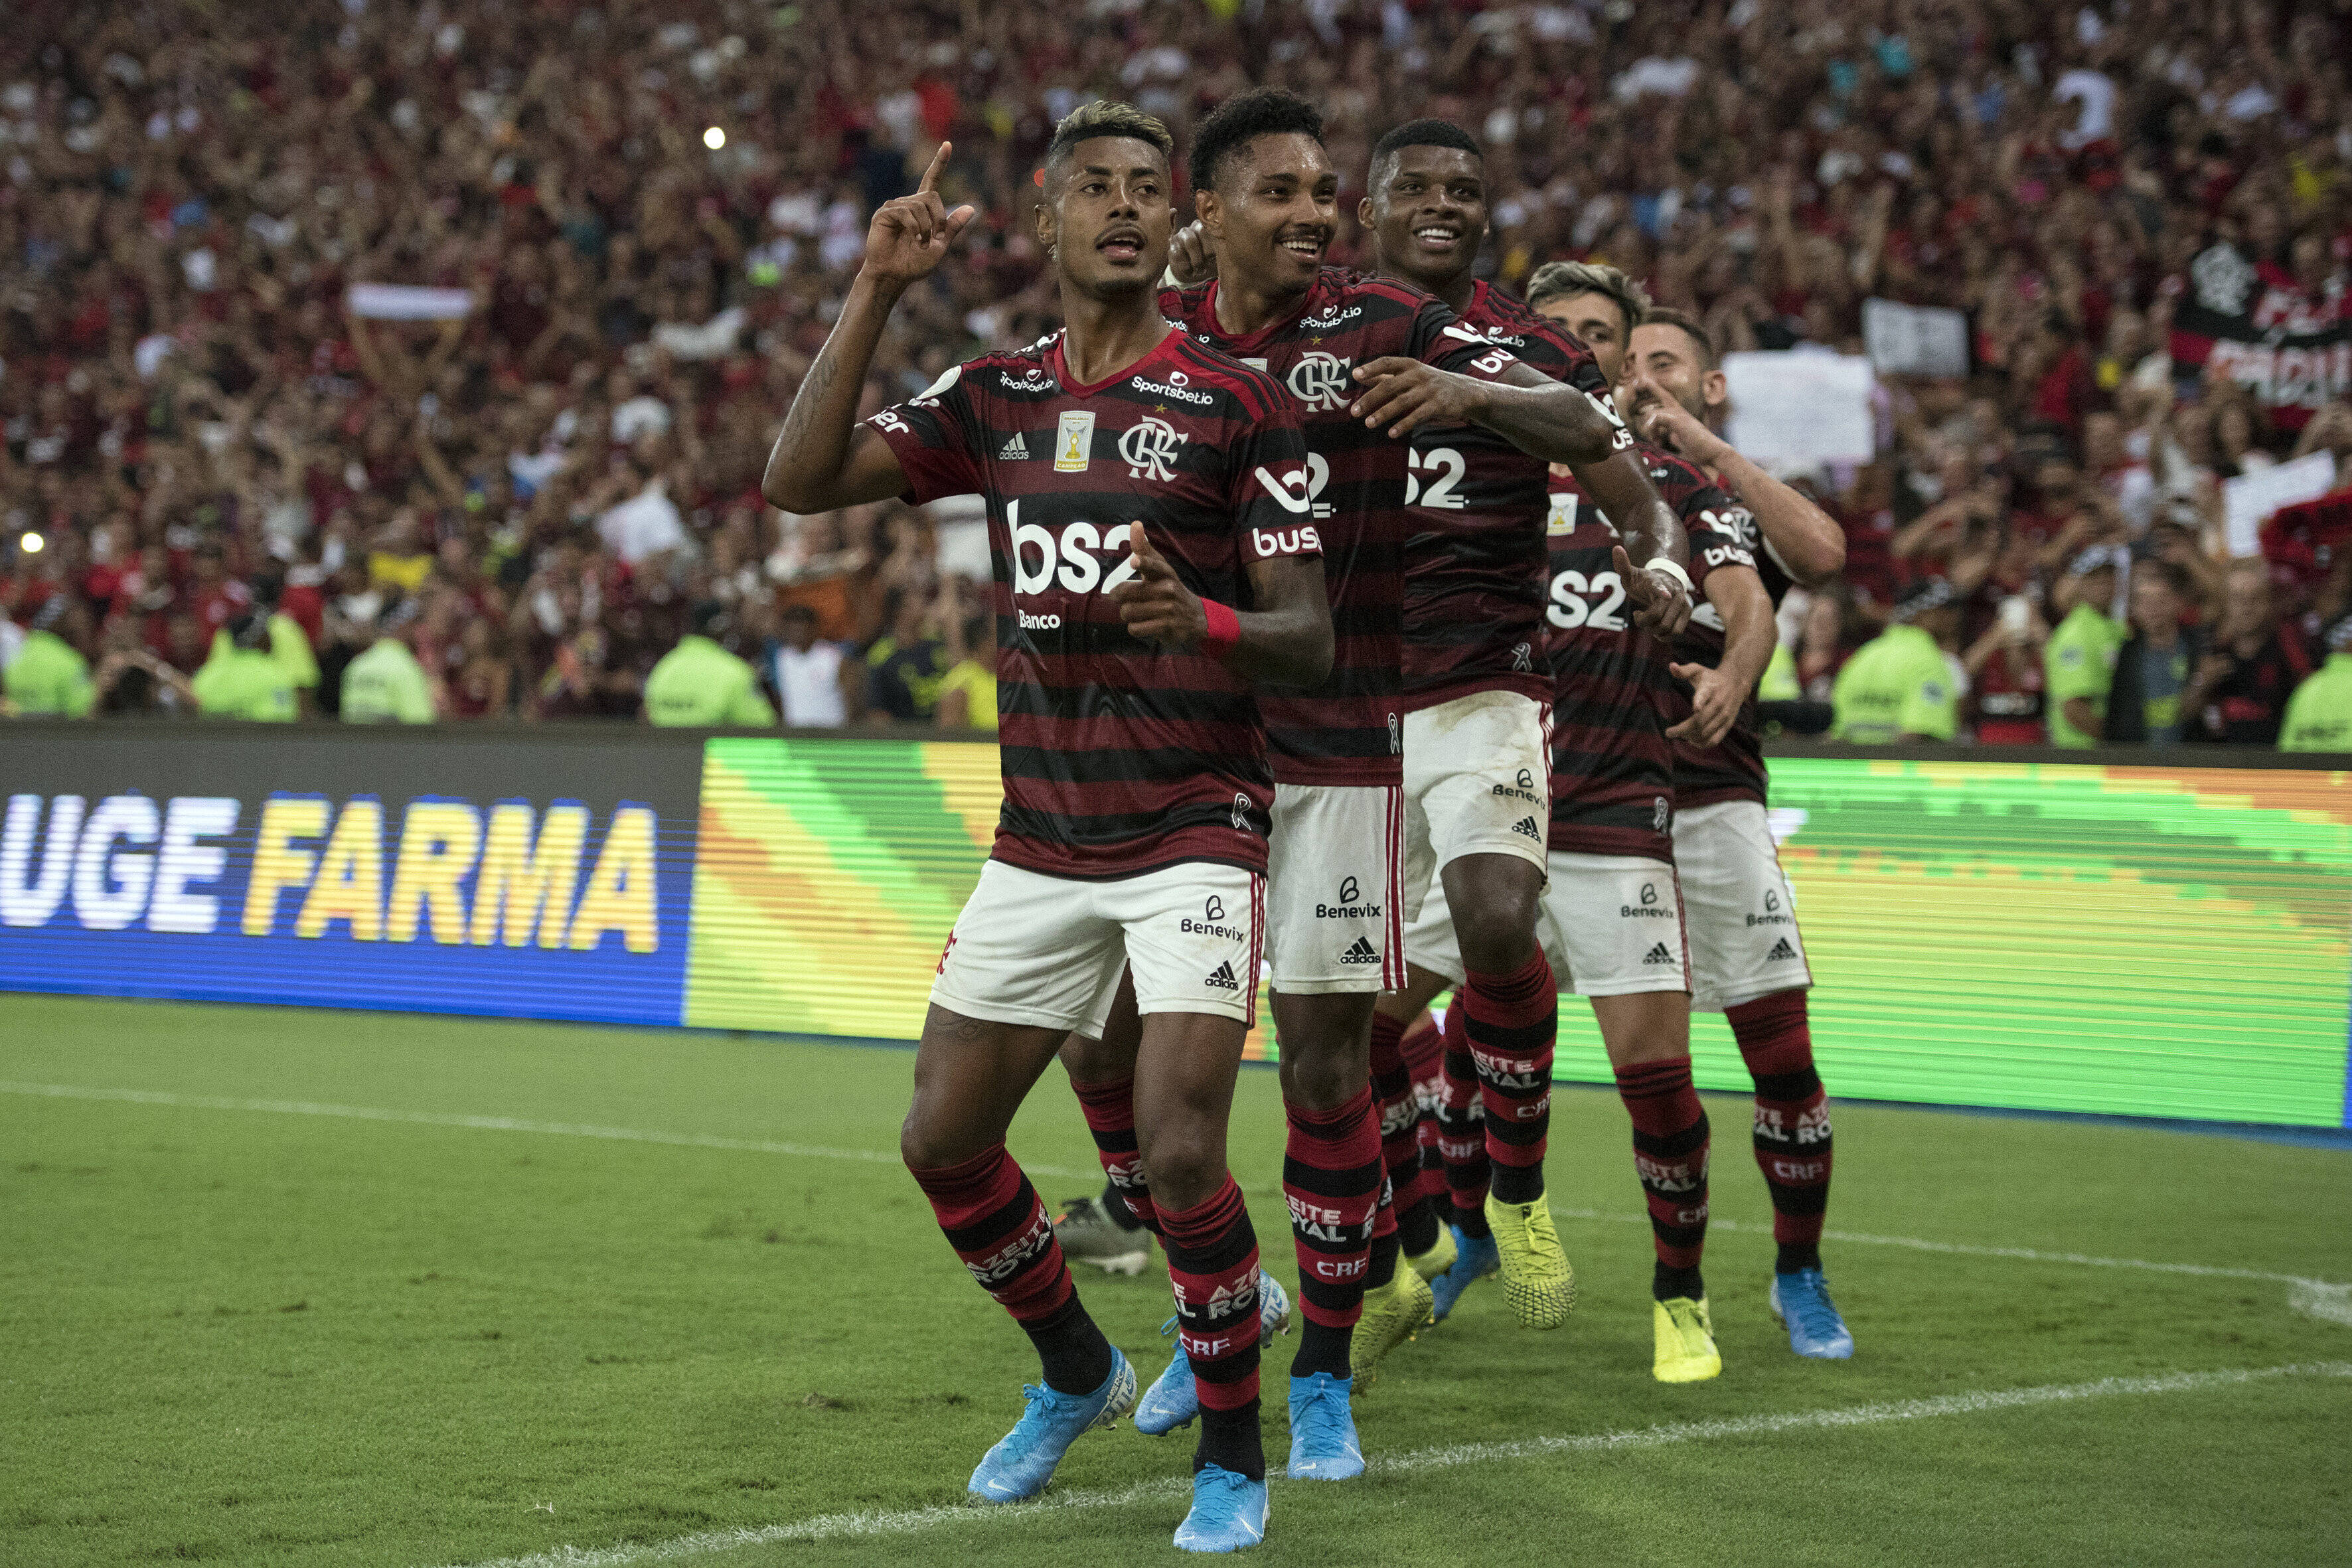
1224	633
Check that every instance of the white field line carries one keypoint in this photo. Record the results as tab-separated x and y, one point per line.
2320	1297
836	1526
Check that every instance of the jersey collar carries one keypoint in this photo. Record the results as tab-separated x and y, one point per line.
1060	366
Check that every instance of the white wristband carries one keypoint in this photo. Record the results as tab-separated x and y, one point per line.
1672	569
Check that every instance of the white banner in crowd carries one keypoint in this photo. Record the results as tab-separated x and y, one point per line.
2249	501
1914	340
1800	409
403	302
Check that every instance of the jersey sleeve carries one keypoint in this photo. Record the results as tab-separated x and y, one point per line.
1438	337
1715	526
931	436
1930	705
1270	489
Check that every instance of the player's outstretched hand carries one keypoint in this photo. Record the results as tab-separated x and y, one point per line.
1667	423
1189	259
911	234
1713	705
1661	604
1154	602
1399	393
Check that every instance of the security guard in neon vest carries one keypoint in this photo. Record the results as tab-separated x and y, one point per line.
700	684
2319	714
1900	686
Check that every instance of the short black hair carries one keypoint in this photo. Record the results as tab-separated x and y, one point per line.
1106	117
1426	134
1243	118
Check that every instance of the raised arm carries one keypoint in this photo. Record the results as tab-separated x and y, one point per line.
823	458
1807	541
1288	642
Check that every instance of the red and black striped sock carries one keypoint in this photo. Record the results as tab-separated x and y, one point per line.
1400	1115
1109	1107
1670	1155
1792	1122
1380	1258
1424	1058
996	1224
1513	1020
1331	1182
1462	1126
1212	1266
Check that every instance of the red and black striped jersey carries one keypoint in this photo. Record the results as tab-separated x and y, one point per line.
1474	541
1733	768
1348	731
1118	756
1611	765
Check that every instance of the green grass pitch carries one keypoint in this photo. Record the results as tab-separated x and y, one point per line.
288	1336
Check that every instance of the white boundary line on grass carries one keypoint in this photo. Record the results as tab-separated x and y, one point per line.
833	1526
2317	1298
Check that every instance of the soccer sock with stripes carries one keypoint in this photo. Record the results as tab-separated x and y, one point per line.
1109	1107
1331	1182
1792	1122
1212	1266
1462	1127
1670	1155
1424	1057
1512	1021
996	1224
1400	1114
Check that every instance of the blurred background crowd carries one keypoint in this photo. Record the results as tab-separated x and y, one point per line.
529	488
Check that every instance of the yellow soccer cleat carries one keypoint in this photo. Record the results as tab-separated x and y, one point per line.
1439	1257
1392	1314
1686	1335
1537	1279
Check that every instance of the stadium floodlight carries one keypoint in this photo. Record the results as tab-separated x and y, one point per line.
32	543
714	138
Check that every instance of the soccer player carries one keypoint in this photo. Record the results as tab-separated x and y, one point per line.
1748	959
1367	361
1478	688
1149	568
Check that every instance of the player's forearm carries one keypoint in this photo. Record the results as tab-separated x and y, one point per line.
1807	539
1749	629
1553	421
1291	642
806	467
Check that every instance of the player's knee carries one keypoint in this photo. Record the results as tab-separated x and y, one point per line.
1321	1075
1089	1060
929	1142
1184	1165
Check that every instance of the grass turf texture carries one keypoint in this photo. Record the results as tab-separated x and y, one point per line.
258	1337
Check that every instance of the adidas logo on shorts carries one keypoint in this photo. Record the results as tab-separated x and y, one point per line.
1360	953
1781	948
1222	977
1658	954
1013	450
1527	825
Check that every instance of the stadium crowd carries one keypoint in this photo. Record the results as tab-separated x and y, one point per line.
227	478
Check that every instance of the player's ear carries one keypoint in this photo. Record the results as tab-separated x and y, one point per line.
1364	211
1047	225
1210	210
1714	390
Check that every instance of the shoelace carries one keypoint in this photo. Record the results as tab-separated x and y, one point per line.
1539	1243
1167	1328
1814	1311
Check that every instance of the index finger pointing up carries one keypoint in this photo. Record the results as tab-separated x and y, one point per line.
931	174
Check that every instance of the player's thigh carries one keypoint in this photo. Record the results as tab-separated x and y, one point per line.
1031	949
1613	925
1429	940
1334	905
1741	911
1485	775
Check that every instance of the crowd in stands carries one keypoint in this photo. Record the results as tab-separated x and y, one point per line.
228	481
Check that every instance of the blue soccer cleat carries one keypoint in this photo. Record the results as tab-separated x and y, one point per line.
1475	1257
1228	1512
1801	1302
1323	1446
1022	1461
1172	1401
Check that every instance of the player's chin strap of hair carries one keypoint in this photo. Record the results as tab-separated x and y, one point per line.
1672	569
1224	633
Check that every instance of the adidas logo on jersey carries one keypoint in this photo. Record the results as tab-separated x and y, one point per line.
1781	948
1658	954
1013	450
1361	952
1222	977
1527	827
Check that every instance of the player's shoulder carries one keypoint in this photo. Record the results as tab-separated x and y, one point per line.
1525	332
1003	372
1211	369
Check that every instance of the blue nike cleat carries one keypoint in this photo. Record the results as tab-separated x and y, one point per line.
1171	1402
1801	1302
1323	1446
1023	1461
1228	1512
1475	1257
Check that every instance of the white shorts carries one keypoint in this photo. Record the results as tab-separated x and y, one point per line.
1477	781
1046	951
1610	925
1335	919
1742	914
